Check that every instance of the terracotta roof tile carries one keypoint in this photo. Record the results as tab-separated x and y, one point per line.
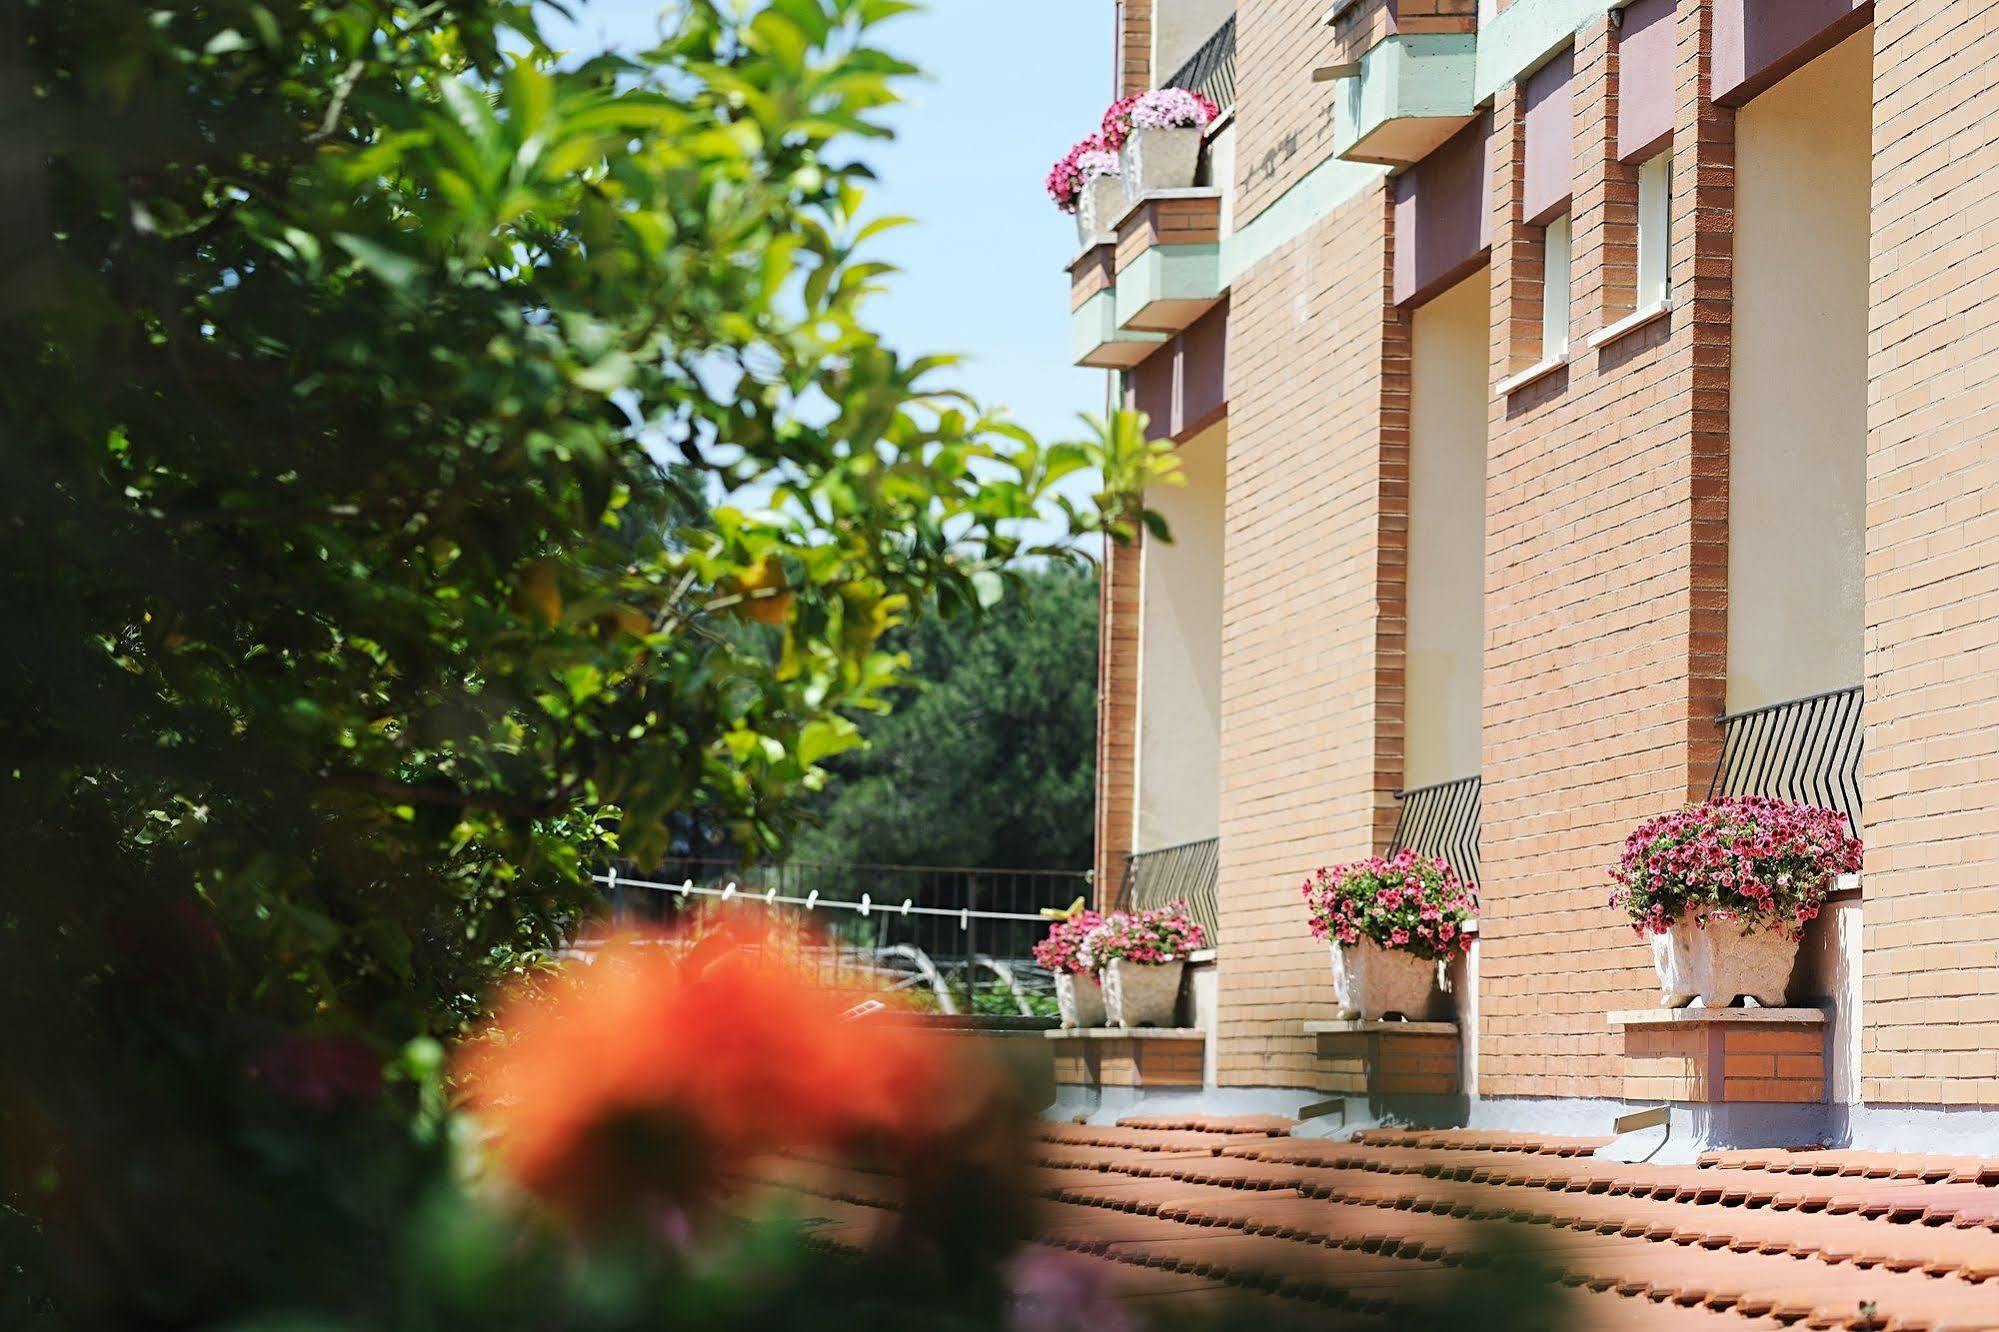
1269	1126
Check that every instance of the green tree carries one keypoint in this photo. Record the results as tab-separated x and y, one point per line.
378	394
990	758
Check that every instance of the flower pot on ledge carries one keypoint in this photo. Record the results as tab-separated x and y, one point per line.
1098	207
1160	159
1137	995
1373	982
1719	964
1080	998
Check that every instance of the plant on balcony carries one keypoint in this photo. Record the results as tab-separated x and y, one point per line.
1079	993
1390	923
1724	890
1140	955
1157	136
1085	182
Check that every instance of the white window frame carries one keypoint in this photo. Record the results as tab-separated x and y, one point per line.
1655	230
1556	246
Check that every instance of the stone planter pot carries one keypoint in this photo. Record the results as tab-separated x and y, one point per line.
1141	996
1159	159
1720	964
1373	982
1080	997
1098	208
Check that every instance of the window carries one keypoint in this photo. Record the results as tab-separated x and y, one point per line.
1655	225
1555	288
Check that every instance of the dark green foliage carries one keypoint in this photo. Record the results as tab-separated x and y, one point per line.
368	386
990	759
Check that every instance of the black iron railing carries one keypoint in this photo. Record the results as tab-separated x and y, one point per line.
1185	873
1441	820
1807	750
1211	69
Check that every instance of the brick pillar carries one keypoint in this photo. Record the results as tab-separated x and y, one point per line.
1703	273
1117	713
1930	768
1134	46
1391	546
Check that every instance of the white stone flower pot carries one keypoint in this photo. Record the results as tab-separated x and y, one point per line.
1099	207
1720	963
1080	997
1141	996
1372	981
1159	159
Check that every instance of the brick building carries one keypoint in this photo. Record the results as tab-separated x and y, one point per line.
1582	407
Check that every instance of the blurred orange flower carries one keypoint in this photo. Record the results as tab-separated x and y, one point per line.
648	1075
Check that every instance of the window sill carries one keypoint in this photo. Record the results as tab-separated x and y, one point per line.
1631	323
1533	374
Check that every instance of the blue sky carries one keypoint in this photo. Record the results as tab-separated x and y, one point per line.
1009	85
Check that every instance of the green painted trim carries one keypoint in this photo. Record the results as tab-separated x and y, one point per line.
1094	323
1292	213
1168	273
1520	38
1406	78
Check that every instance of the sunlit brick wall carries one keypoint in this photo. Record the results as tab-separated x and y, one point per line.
1931	762
1606	597
1312	616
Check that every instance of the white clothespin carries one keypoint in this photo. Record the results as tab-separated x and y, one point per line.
867	903
812	900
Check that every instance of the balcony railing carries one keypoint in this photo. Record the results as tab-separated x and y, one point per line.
1185	873
1441	820
1211	69
1807	750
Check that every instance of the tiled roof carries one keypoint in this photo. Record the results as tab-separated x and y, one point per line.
1186	1210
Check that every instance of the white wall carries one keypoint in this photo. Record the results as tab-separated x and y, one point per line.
1447	414
1180	655
1178	29
1798	456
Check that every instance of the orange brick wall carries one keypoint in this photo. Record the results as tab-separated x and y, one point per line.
1312	628
1168	222
1117	714
1133	1062
1134	46
1725	1062
1606	593
1931	764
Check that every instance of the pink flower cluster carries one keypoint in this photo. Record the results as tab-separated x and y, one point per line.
1162	108
1082	164
1408	901
1150	938
1764	864
1097	155
1059	952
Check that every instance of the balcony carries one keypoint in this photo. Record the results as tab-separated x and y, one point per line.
1186	873
1211	69
1805	750
1441	820
1406	76
1095	338
1167	265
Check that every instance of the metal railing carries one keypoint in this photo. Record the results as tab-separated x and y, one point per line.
1185	873
963	936
1211	69
1806	750
1441	820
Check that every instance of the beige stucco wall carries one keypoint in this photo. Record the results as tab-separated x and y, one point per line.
1180	655
1447	416
1798	454
1178	29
